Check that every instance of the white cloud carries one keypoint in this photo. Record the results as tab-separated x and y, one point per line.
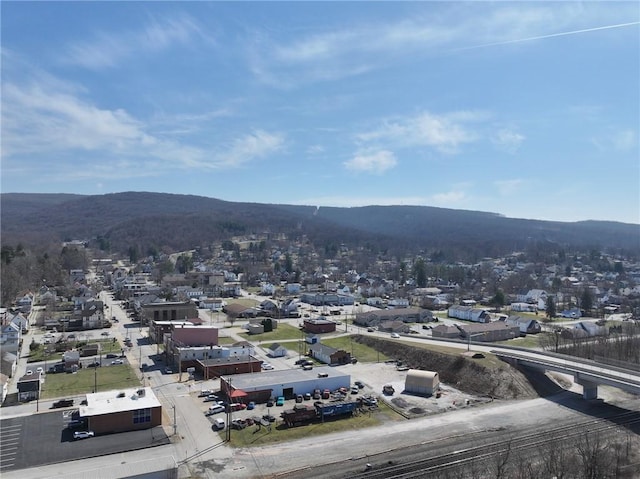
377	162
345	51
448	199
315	149
508	140
249	147
446	133
108	49
621	140
508	187
45	118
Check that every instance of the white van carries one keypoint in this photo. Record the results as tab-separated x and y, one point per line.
219	424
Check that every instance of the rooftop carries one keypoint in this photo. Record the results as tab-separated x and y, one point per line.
119	400
265	379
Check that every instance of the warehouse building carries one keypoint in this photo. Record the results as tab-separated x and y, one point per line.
121	410
423	383
288	383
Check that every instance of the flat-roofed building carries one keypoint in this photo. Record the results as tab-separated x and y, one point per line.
287	383
121	410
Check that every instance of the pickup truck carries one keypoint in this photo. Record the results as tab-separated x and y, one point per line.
62	403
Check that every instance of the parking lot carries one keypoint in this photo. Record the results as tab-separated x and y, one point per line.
39	439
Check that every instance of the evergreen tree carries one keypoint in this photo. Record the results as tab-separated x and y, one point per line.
551	307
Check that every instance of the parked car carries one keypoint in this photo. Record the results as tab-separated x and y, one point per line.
270	403
77	423
307	396
205	393
251	406
360	384
267	366
280	401
94	364
299	398
355	390
39	370
111	355
62	403
269	418
210	397
82	434
300	361
219	424
237	406
238	424
214	410
168	370
307	367
117	361
395	335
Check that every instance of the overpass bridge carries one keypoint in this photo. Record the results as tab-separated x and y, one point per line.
589	374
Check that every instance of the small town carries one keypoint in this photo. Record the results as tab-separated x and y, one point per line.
277	347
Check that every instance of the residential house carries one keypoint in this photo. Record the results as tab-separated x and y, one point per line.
406	315
398	303
10	337
394	327
293	288
445	331
19	320
526	325
329	355
276	350
71	360
572	313
8	363
469	313
267	289
489	332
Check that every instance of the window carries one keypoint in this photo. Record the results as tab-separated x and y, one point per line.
141	416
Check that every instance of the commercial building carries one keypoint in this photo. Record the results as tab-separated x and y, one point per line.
121	410
287	383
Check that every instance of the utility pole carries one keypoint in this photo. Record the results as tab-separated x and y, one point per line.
175	424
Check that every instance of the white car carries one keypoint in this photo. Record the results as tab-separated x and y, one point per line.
267	366
395	335
39	369
117	361
82	434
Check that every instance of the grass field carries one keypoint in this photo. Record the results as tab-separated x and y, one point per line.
83	381
251	436
107	345
359	351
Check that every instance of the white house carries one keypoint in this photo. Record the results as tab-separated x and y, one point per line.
293	288
267	289
396	303
276	350
468	313
21	321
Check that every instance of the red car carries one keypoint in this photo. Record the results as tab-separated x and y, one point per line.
237	406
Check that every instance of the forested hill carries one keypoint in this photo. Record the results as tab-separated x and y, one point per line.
183	221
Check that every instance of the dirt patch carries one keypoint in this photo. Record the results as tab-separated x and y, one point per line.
500	381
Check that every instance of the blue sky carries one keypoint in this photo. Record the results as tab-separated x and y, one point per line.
530	110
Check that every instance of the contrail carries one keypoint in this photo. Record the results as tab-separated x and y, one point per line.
551	35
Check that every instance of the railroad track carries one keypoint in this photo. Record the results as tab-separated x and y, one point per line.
425	467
